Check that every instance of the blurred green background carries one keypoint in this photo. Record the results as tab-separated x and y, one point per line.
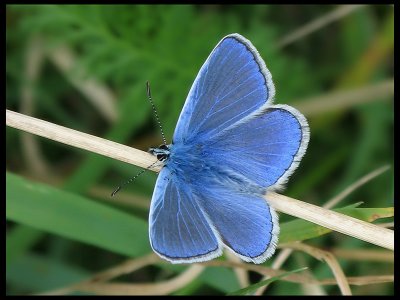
85	67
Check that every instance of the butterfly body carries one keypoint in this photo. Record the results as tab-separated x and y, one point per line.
230	146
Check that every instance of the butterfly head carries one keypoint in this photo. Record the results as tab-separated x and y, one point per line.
162	152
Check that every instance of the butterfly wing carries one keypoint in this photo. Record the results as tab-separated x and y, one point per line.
261	151
245	223
231	84
230	104
228	116
266	148
178	228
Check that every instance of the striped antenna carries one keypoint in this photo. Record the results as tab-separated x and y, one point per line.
155	111
132	179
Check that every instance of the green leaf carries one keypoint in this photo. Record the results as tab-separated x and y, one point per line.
72	216
254	287
19	240
222	279
37	273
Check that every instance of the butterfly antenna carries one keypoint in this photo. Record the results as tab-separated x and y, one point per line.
132	179
155	111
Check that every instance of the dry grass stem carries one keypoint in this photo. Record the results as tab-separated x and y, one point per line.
330	259
351	188
100	96
298	278
386	225
367	280
30	146
80	140
340	12
160	288
364	255
346	99
241	274
126	267
278	262
309	289
335	221
96	284
281	258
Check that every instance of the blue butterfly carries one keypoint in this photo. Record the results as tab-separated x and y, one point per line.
230	146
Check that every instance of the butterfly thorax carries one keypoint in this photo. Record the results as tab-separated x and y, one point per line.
180	157
162	152
185	159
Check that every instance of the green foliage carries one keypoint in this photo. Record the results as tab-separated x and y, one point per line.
57	236
252	288
73	216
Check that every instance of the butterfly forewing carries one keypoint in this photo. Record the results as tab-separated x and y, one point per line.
232	83
266	148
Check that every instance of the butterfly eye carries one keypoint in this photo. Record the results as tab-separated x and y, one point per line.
164	147
162	157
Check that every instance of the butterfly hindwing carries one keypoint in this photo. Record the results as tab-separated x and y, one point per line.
245	223
178	228
232	83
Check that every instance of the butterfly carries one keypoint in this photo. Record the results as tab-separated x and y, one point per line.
230	146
